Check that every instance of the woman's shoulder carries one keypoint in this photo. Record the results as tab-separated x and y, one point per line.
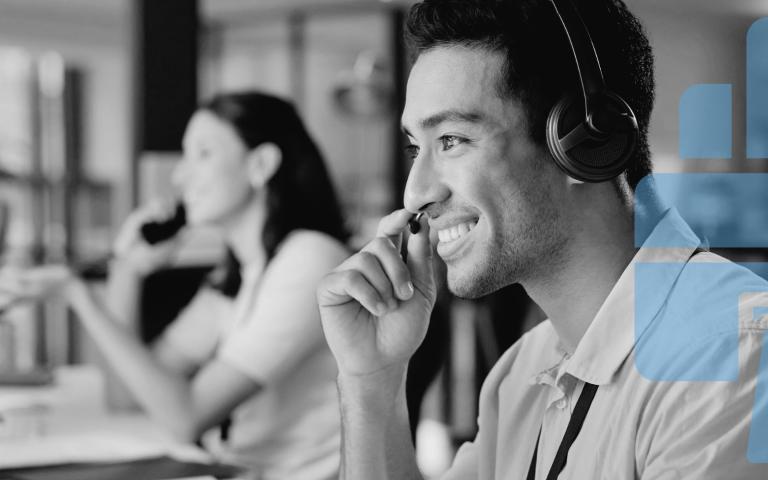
309	250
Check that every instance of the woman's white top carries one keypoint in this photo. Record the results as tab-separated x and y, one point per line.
271	332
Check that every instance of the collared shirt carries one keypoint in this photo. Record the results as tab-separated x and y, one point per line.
641	425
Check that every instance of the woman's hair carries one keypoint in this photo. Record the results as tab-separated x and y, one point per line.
300	194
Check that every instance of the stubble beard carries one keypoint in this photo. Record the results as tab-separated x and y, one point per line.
535	249
489	270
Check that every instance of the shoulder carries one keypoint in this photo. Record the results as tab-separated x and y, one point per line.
711	286
708	326
309	252
711	272
312	240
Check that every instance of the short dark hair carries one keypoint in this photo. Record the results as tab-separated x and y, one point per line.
540	68
300	195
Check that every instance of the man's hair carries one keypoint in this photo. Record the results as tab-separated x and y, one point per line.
539	67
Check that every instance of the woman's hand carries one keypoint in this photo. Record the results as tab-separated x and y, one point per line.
130	248
375	308
22	285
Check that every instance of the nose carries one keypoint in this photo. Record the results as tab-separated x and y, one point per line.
425	185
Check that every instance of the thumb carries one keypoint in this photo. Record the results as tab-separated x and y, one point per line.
420	261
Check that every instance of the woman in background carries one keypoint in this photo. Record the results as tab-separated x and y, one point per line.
249	347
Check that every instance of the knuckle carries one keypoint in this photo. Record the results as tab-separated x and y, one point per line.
382	244
350	277
367	260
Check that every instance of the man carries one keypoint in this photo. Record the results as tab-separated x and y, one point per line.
485	78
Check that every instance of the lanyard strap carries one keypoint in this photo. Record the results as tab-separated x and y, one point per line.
574	427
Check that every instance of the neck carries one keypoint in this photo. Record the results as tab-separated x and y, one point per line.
243	232
600	246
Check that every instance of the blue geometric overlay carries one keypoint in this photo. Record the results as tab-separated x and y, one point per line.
693	337
694	334
757	90
759	312
726	210
706	122
757	451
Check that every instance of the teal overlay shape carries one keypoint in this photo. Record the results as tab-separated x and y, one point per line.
693	333
757	89
706	122
757	449
726	210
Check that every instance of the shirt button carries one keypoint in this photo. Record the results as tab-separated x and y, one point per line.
561	404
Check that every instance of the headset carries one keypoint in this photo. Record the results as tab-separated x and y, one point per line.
591	139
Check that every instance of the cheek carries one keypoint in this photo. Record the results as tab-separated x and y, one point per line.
229	190
220	194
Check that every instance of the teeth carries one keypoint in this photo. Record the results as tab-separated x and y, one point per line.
455	232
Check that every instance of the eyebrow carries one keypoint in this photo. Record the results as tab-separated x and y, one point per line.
447	116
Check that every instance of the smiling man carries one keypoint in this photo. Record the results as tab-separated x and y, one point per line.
504	205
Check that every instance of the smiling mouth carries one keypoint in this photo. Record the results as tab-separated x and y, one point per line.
455	232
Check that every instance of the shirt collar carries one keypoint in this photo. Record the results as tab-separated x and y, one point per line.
611	336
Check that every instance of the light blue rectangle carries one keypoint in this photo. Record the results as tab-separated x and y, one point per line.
726	210
758	313
757	451
757	89
692	337
706	122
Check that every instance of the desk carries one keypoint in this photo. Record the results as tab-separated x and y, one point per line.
68	423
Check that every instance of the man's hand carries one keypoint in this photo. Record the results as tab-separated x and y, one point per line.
375	308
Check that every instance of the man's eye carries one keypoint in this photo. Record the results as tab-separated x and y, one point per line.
450	141
411	151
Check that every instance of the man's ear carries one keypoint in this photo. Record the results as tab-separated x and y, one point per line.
263	162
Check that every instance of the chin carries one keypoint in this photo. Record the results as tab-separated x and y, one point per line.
470	286
481	280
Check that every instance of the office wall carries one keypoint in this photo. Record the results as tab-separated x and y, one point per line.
95	37
693	46
256	53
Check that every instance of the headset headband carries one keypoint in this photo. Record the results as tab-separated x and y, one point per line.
587	63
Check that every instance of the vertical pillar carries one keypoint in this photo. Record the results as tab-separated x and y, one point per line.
399	166
166	64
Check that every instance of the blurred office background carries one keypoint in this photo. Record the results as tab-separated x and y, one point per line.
94	96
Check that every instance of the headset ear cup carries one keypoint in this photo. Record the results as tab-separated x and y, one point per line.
583	153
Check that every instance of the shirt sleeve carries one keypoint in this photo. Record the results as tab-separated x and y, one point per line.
706	431
283	326
195	332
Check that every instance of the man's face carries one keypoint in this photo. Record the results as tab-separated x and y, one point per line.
489	191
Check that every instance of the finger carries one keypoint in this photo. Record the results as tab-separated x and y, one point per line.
394	223
392	226
160	207
371	267
341	287
420	261
157	210
128	234
398	275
